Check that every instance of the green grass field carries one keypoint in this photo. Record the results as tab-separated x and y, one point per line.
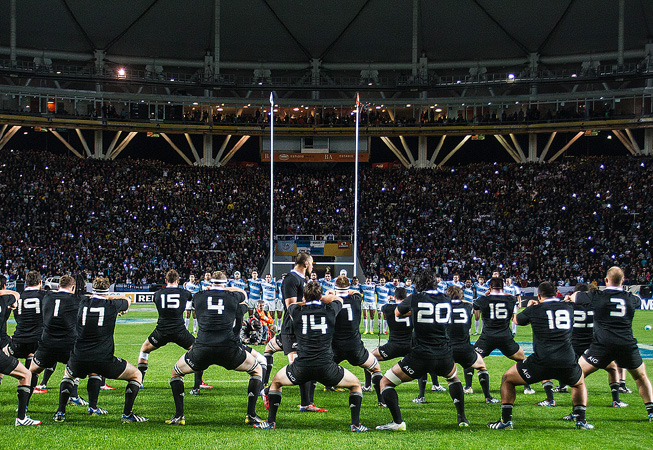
216	418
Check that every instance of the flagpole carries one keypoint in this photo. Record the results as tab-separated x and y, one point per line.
272	100
356	186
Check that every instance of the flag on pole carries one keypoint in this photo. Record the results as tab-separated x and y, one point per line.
272	98
358	99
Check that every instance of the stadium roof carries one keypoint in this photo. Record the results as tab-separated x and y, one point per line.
337	31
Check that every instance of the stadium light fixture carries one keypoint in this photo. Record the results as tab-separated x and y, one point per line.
511	76
122	73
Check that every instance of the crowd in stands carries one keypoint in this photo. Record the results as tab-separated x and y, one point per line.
134	219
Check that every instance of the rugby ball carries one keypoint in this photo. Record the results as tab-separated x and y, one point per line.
647	327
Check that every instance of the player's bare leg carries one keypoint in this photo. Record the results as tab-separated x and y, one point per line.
644	387
520	356
144	357
273	346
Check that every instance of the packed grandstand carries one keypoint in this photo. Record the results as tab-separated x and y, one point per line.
133	220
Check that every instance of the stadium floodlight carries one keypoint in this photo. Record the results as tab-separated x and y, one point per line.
122	73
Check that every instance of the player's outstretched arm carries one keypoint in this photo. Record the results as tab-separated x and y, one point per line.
8	292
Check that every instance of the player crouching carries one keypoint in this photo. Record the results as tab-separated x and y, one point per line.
314	322
554	357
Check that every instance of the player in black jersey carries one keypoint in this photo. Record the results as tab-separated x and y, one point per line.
552	358
29	322
292	291
9	365
314	322
59	333
399	339
497	310
431	352
93	353
170	302
581	339
463	351
216	344
347	342
613	338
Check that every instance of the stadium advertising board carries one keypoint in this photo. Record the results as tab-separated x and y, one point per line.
139	297
314	157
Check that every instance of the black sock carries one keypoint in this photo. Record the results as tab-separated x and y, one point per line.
434	379
311	392
304	394
47	374
527	386
469	377
484	380
622	384
614	390
391	399
73	392
142	367
177	386
65	389
458	396
275	401
93	388
33	383
376	382
548	390
506	413
28	362
579	412
23	399
130	396
421	383
649	407
198	380
253	389
270	360
355	401
368	379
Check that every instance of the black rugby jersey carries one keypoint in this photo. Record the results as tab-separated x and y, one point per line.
552	322
583	331
5	311
171	303
431	314
216	311
96	322
461	316
292	286
29	316
314	325
613	316
400	329
497	311
59	319
348	321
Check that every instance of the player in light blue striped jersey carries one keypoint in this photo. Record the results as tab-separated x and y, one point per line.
279	302
255	293
408	285
382	298
327	283
468	292
513	289
193	288
481	287
441	285
369	304
392	287
206	282
237	281
355	285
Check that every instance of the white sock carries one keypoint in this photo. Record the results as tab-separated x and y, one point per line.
514	328
476	325
195	327
385	325
186	320
365	325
